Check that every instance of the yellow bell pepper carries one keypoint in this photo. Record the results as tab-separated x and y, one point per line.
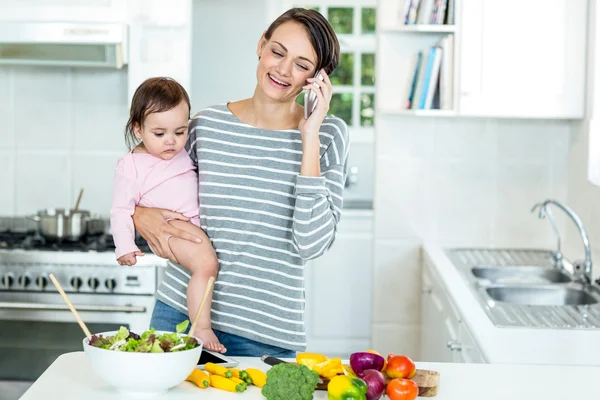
329	368
310	359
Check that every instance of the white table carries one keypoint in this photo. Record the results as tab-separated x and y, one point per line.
70	377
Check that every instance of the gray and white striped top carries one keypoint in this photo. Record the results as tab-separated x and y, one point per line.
264	221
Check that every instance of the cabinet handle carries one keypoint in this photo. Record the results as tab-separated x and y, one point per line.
454	345
426	290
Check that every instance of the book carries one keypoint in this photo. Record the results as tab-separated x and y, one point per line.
413	85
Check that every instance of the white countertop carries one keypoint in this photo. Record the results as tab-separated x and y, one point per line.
513	345
70	377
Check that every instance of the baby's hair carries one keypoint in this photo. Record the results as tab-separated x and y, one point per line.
153	95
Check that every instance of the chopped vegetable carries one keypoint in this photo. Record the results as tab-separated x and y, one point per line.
148	342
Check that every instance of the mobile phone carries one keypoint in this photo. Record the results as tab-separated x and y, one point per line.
310	99
216	358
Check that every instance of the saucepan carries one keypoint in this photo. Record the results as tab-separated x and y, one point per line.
61	224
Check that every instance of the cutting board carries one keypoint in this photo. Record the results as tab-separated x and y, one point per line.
427	381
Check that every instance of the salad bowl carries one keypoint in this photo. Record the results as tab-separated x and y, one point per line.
142	365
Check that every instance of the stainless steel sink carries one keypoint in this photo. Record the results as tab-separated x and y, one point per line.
541	296
525	274
524	288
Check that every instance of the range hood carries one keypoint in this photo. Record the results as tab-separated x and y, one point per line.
64	44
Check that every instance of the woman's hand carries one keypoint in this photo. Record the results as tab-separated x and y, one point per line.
153	225
311	126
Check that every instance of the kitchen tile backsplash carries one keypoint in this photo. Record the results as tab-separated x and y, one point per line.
42	108
62	129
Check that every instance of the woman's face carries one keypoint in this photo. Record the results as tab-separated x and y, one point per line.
287	60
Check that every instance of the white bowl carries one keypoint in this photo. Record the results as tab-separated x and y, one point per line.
145	374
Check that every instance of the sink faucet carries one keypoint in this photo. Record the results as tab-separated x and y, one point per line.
579	266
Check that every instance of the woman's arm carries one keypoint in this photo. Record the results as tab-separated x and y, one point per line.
153	225
319	199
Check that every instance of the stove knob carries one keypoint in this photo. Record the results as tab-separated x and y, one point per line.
93	283
76	283
7	281
111	284
41	282
23	281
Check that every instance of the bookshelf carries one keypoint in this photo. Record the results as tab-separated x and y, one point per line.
421	28
398	45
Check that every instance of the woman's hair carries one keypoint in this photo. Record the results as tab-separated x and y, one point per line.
152	96
321	34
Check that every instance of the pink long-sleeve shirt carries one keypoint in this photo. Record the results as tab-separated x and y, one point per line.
148	181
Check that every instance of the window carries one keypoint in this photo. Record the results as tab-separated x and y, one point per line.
354	78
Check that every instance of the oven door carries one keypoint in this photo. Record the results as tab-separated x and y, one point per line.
36	328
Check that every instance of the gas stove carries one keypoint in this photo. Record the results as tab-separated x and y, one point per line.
85	266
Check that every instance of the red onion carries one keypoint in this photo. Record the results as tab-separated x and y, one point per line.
375	382
362	361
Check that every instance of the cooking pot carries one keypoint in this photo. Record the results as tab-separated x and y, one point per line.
61	224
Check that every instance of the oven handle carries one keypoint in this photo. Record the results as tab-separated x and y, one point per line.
61	307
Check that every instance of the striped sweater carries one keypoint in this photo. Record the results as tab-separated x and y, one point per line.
264	221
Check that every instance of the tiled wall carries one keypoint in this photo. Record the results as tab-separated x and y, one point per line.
61	129
459	182
584	197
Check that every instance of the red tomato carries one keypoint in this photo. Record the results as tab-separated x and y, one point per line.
402	389
400	367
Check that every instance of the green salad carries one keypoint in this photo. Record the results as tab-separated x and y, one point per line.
147	342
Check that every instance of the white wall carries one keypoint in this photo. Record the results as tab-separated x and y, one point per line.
225	36
584	155
460	182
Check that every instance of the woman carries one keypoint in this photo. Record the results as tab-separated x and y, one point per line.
270	186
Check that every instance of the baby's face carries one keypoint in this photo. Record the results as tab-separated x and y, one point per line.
164	134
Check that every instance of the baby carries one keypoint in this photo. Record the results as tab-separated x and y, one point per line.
158	173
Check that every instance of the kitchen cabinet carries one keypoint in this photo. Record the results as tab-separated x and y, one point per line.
444	336
339	290
523	58
467	349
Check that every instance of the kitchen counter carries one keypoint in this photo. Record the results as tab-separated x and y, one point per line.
70	377
513	345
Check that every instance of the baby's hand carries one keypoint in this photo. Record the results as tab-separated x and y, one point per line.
129	258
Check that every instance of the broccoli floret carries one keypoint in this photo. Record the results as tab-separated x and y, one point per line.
290	382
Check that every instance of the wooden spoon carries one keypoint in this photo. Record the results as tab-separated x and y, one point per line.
209	285
73	310
78	201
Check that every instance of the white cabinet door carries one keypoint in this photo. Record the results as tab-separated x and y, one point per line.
523	58
339	291
469	351
439	321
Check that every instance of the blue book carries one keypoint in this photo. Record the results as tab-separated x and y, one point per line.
413	85
427	78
